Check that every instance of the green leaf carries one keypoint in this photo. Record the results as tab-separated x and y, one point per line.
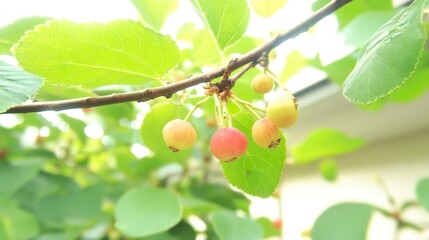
422	191
155	12
74	209
415	87
337	71
266	8
16	86
294	62
390	57
353	9
344	221
329	170
259	170
192	205
15	175
146	211
269	229
324	143
243	45
16	224
96	54
151	130
11	33
361	28
226	19
229	226
59	236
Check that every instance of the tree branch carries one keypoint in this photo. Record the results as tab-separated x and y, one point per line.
168	90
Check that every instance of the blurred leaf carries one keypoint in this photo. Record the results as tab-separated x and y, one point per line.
50	92
415	87
243	45
226	19
329	170
146	211
72	210
183	231
192	205
361	28
59	236
16	224
324	143
294	62
10	34
204	50
155	12
258	171
422	191
243	87
96	54
354	9
221	195
16	174
151	130
186	32
266	8
229	226
16	86
379	70
161	236
77	126
344	221
337	71
269	229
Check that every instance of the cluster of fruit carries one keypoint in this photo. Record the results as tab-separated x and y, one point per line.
228	143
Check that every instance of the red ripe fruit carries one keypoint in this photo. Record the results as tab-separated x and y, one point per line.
265	133
179	134
228	144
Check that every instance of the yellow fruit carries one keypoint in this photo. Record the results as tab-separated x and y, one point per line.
265	133
262	83
179	134
282	111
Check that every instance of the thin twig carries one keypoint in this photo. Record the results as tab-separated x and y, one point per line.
168	90
242	72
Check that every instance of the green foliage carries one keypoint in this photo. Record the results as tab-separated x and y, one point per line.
344	221
269	229
14	175
267	8
422	191
155	12
16	86
96	54
147	210
11	33
323	143
228	226
259	170
294	62
329	170
379	71
226	19
16	224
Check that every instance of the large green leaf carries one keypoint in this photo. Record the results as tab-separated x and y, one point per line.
14	175
345	221
390	57
16	86
361	28
415	87
259	170
11	33
422	191
146	211
76	209
96	54
227	19
155	12
229	226
323	143
151	131
266	8
16	224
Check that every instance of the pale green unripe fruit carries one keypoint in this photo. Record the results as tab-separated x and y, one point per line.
262	83
179	134
282	111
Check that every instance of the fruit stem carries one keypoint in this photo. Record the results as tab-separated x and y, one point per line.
246	103
222	116
197	105
277	81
